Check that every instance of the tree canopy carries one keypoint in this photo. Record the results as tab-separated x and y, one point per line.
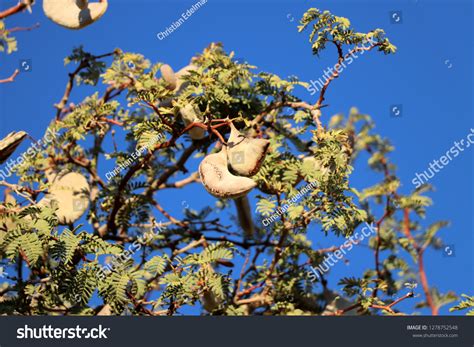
128	255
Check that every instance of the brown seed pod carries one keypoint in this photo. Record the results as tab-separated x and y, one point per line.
245	216
217	179
181	83
10	143
74	14
169	76
190	114
246	155
71	192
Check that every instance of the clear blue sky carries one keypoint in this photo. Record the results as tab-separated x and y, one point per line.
431	76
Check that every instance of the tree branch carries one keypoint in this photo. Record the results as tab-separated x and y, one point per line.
16	29
11	78
21	6
70	84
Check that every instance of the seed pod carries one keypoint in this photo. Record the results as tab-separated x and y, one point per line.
181	83
190	115
246	155
185	70
74	14
245	216
169	76
10	143
217	179
72	195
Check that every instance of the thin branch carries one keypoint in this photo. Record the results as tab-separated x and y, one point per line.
378	224
111	226
70	84
407	232
421	267
11	78
249	290
194	177
192	245
167	215
388	308
13	10
409	295
242	273
88	166
173	169
16	29
162	118
334	75
347	309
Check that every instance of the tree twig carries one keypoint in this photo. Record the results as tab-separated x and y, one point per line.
16	29
11	78
13	10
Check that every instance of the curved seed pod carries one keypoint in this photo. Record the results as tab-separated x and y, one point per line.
10	143
181	83
190	115
185	70
245	155
245	216
74	14
169	76
72	195
217	179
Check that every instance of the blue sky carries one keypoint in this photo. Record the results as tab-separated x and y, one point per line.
430	76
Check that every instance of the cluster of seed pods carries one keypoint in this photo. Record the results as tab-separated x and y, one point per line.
226	174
